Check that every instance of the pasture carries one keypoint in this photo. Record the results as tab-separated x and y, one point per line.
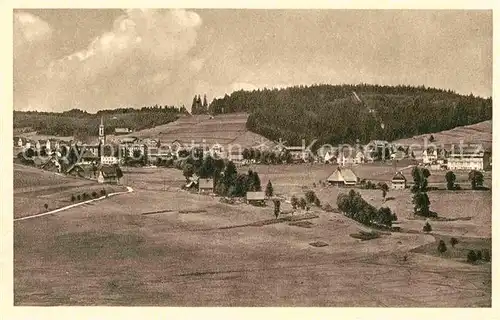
163	246
33	188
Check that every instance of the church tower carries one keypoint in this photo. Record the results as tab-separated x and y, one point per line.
102	137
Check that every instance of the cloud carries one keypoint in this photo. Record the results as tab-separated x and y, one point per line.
29	28
143	56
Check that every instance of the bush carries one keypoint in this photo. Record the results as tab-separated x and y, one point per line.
294	201
302	203
78	197
85	196
486	255
457	187
427	227
442	246
471	256
453	242
103	192
46	206
94	194
479	255
73	198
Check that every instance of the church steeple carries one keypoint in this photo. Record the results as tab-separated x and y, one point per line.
102	137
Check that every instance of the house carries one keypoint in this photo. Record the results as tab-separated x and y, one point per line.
298	154
129	140
235	156
37	145
429	155
109	160
217	151
255	197
345	157
48	145
398	155
329	157
343	177
88	157
398	182
108	174
205	185
359	158
52	165
119	131
469	158
83	170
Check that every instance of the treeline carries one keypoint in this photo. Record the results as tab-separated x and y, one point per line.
80	123
332	115
356	208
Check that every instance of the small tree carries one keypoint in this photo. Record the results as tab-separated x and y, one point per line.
277	205
302	203
46	206
427	227
479	255
442	246
94	194
450	180
471	256
453	242
103	192
73	198
269	189
310	196
385	188
317	202
294	202
431	138
78	197
476	179
486	255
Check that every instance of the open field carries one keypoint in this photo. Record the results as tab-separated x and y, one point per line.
33	188
222	129
111	254
478	133
175	248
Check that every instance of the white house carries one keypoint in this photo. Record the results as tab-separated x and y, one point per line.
469	158
398	181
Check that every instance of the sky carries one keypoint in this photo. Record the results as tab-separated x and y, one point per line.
111	58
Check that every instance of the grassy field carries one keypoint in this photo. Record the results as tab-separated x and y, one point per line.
33	188
163	246
222	129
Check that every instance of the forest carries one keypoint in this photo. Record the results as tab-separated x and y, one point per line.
343	113
76	122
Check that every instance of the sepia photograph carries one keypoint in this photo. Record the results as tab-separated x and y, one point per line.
252	157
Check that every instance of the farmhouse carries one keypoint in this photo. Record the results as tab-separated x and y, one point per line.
205	185
343	177
86	171
398	181
255	197
108	174
469	158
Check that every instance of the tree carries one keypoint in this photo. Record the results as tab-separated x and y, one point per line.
277	205
431	139
205	104
94	194
317	202
476	179
310	196
385	188
269	189
46	206
471	256
486	255
421	204
119	172
442	246
450	180
73	198
479	255
188	170
453	242
302	203
294	202
427	227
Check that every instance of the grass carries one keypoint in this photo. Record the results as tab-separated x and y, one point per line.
459	251
111	254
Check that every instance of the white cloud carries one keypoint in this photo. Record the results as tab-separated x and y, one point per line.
146	53
29	28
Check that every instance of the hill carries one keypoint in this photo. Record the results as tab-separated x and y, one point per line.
222	129
345	113
478	133
80	124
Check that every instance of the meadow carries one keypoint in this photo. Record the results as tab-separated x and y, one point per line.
164	246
